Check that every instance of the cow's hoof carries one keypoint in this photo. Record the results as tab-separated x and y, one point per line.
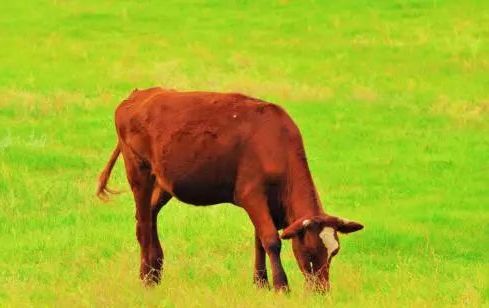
282	289
261	283
151	279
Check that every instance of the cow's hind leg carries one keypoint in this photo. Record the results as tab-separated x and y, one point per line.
141	181
260	277
158	200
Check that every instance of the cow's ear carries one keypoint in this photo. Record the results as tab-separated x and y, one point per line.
341	225
295	228
348	226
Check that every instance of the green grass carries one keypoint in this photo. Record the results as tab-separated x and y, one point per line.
392	98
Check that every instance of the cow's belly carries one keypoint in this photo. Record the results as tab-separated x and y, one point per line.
201	179
202	183
198	193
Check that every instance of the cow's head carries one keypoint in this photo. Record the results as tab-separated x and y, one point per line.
315	242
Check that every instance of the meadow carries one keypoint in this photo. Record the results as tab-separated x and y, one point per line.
392	98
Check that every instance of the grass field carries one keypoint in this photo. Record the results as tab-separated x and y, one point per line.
392	98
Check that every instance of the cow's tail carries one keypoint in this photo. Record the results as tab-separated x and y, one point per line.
102	189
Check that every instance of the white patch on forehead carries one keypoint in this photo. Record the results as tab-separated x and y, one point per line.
330	242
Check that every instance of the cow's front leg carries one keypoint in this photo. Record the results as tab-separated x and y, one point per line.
260	277
272	244
256	206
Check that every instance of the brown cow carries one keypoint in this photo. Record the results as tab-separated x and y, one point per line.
206	148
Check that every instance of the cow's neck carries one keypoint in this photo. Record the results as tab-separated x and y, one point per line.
301	198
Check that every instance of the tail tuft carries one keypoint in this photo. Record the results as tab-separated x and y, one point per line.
102	189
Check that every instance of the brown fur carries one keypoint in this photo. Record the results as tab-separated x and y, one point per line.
205	148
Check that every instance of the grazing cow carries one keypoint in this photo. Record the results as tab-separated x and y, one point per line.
206	148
